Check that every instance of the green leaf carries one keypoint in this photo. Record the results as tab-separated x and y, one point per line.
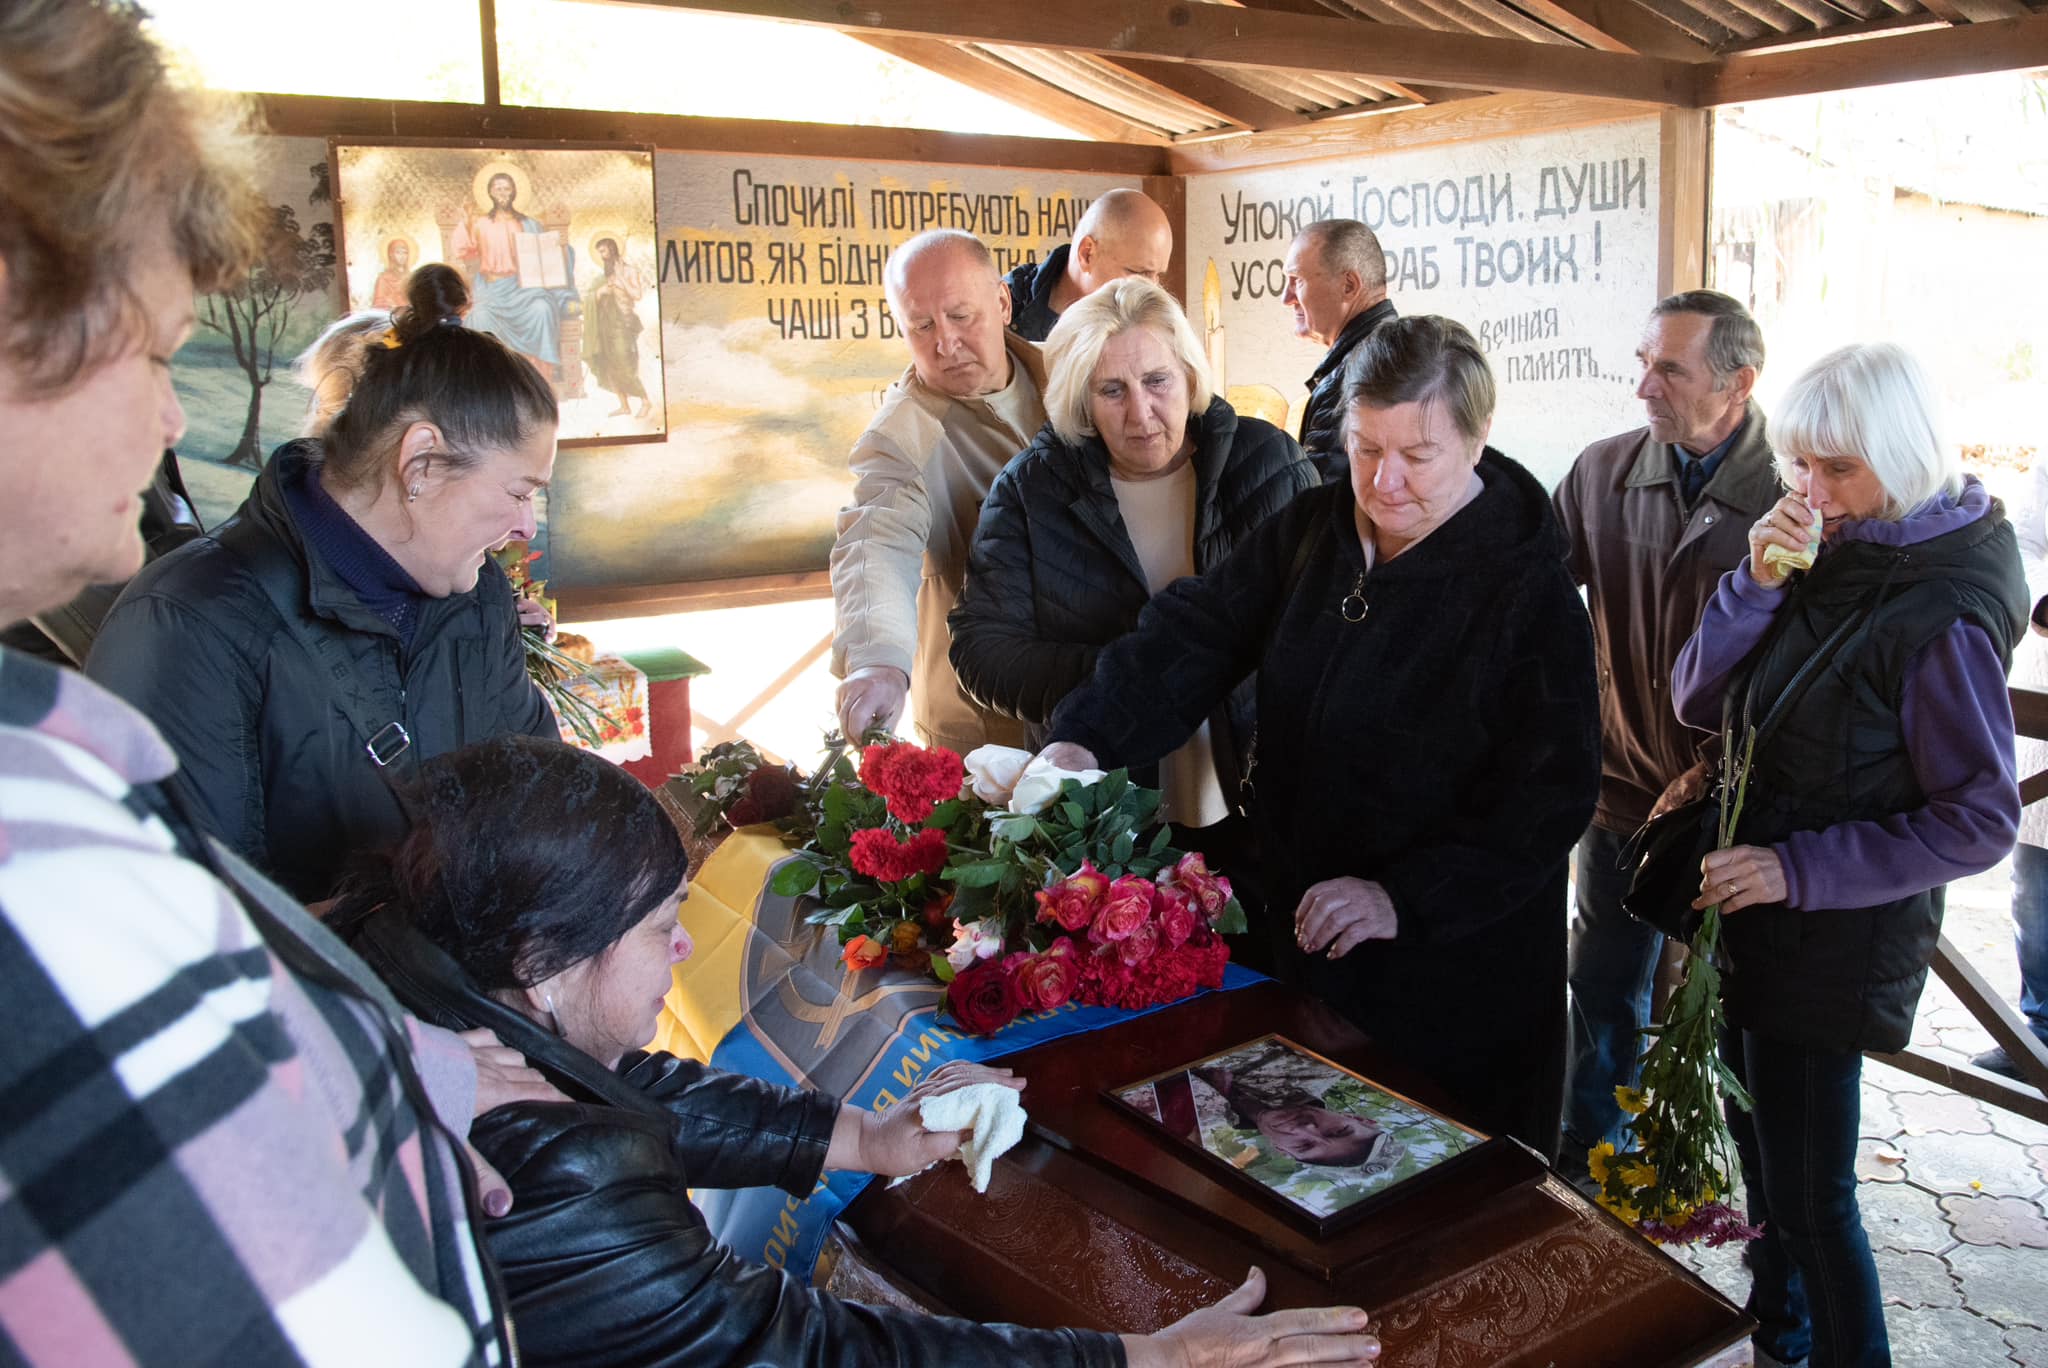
945	814
942	969
1120	849
1013	826
797	876
1159	839
1073	813
979	874
1113	786
1231	920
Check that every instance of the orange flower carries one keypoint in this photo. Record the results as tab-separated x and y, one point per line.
863	952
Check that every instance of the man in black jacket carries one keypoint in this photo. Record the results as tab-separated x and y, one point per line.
1337	288
1124	233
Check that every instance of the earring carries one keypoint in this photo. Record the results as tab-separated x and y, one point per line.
413	495
554	1019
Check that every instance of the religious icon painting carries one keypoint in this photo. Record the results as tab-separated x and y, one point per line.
1316	1140
556	245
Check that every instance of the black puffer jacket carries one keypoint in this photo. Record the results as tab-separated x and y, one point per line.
273	763
605	1259
1322	422
1430	725
1053	576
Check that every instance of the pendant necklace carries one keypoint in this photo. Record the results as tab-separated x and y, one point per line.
1353	606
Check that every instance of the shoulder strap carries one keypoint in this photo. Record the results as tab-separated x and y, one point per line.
384	742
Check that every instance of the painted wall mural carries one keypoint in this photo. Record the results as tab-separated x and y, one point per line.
1544	245
778	344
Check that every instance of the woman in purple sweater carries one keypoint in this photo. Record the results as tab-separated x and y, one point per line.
1883	769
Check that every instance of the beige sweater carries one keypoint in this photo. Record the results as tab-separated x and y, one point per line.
921	471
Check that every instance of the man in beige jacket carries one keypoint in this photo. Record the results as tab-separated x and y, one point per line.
971	400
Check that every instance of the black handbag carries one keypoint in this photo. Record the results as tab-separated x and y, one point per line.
1663	860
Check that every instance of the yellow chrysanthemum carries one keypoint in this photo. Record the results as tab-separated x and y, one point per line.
1631	1100
1638	1175
1596	1161
1622	1208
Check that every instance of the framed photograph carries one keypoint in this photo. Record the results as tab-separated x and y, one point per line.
1310	1137
558	247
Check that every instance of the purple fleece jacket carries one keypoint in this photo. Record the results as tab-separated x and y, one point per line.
1957	719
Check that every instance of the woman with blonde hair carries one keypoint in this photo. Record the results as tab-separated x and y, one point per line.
1874	686
1142	475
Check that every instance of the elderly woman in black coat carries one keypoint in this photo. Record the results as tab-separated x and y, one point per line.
537	895
1428	726
1141	475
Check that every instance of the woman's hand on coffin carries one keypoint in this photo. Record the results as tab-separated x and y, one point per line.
1228	1335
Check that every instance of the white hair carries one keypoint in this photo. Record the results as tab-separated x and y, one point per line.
1871	400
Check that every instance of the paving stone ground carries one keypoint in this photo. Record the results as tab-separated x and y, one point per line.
1954	1193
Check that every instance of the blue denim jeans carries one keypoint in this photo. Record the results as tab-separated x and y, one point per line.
1813	1282
2030	932
1613	963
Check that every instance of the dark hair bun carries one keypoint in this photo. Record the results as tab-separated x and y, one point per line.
433	293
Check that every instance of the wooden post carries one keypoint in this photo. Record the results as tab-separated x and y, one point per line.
487	29
1684	168
1171	194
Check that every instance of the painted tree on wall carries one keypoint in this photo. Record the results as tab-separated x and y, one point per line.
254	314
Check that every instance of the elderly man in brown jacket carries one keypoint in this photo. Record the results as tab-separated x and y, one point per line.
971	400
1653	518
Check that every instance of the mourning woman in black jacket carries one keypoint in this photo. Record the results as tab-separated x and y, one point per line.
348	622
537	895
1141	475
1428	729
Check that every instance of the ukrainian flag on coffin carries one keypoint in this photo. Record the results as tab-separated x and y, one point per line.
766	995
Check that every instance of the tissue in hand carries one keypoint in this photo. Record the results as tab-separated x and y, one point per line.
990	1113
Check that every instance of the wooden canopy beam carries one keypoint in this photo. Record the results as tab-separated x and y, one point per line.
1019	88
1966	50
1218	35
1220	96
322	116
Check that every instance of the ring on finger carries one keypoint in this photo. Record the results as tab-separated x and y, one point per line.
1731	888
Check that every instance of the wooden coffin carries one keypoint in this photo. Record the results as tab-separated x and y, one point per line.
1096	1221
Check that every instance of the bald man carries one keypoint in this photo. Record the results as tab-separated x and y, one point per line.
971	400
1124	233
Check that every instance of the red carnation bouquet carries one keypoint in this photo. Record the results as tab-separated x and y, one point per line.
1020	887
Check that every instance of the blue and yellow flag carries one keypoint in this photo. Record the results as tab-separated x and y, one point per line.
764	994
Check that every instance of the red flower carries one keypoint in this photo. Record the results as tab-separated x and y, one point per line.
774	792
912	780
1073	901
1178	918
1211	892
1044	981
1168	976
939	912
863	952
982	999
1137	947
877	854
1125	907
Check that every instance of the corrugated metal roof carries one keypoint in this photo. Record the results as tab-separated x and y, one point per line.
1187	101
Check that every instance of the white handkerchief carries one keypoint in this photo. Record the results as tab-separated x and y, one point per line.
991	1115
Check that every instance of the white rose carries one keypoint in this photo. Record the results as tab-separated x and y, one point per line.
972	941
1040	784
992	771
